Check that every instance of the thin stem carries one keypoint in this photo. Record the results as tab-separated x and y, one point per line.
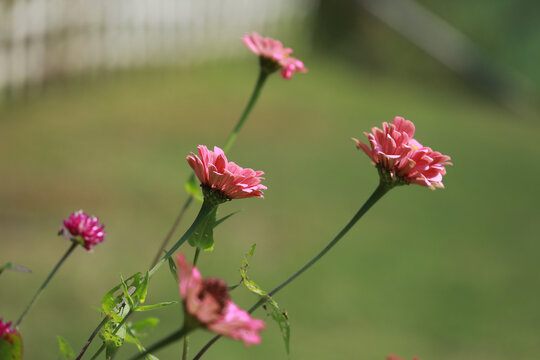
228	144
99	351
175	225
186	348
252	100
92	336
186	338
162	343
377	194
42	287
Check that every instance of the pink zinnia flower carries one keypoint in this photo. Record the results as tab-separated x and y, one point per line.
84	228
231	180
5	328
394	150
208	301
394	357
276	55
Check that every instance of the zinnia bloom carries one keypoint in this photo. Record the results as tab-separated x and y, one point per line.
5	328
402	158
273	55
231	180
84	228
208	301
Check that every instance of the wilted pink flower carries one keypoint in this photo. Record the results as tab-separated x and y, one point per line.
395	150
273	50
215	172
208	301
84	228
5	328
394	357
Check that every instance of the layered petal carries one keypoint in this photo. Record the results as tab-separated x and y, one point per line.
274	51
216	172
395	150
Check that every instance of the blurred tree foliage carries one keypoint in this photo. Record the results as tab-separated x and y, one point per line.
507	31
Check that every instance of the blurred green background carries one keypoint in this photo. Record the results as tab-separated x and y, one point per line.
446	274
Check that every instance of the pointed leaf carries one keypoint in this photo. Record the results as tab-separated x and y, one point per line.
225	218
127	295
142	290
155	306
65	351
193	188
172	267
279	316
113	302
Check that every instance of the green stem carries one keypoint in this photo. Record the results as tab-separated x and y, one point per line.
377	194
252	100
42	287
206	209
162	343
186	338
99	351
94	333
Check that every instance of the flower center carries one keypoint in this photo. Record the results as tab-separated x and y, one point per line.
216	288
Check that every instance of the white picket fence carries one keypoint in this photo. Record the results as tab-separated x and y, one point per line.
45	39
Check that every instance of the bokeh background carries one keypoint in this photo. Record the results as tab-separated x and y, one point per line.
102	100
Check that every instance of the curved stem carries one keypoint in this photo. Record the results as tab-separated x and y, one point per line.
247	110
42	287
162	343
377	194
92	336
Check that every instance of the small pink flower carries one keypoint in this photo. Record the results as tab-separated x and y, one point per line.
5	328
208	301
278	56
394	357
215	172
395	150
84	228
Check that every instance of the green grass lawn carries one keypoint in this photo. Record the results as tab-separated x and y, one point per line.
446	274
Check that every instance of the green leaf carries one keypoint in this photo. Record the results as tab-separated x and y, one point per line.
11	347
65	351
225	218
127	294
155	306
142	290
172	267
203	237
113	302
279	316
111	339
193	188
14	267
